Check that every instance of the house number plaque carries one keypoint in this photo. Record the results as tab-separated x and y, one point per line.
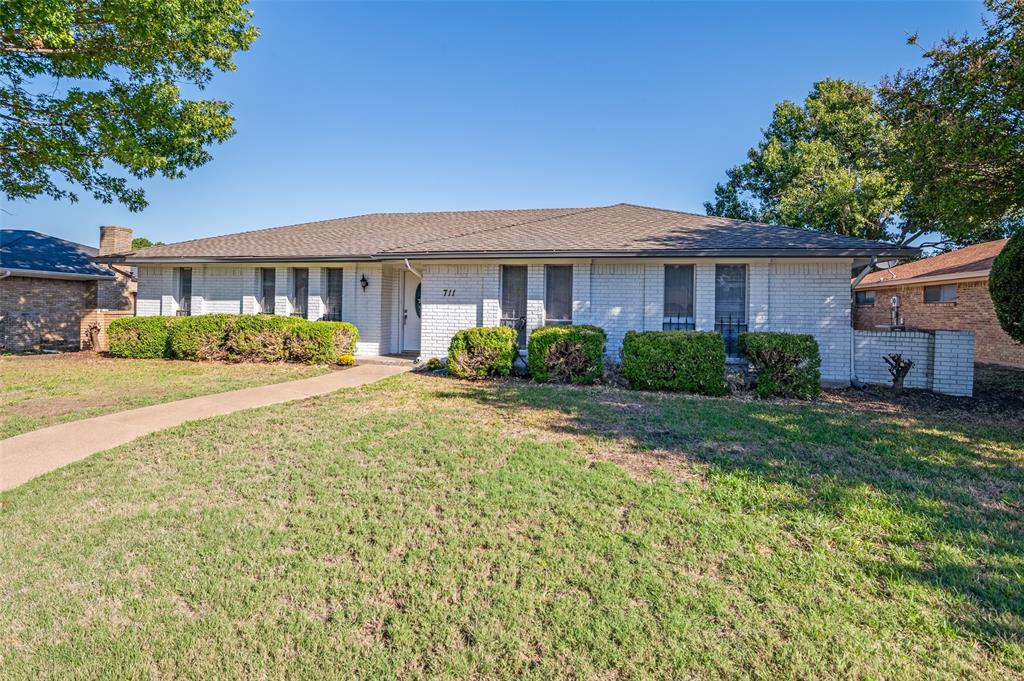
447	292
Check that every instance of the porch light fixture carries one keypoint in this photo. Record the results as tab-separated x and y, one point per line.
363	282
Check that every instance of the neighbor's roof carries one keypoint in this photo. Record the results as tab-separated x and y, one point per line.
971	262
618	230
25	252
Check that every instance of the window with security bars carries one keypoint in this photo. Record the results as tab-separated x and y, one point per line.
184	291
678	305
334	288
300	291
513	300
731	305
268	289
558	295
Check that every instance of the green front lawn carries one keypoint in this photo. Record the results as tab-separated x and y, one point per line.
425	527
40	391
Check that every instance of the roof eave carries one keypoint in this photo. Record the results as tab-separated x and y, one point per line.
895	252
129	259
49	274
976	275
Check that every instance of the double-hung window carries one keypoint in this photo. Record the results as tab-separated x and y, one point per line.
268	289
558	295
184	291
678	305
300	291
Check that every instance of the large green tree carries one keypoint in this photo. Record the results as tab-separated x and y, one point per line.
960	123
823	165
91	91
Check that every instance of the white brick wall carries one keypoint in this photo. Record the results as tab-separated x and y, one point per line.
801	297
814	298
618	300
943	360
453	299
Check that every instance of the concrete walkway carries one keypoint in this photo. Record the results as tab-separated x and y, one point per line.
25	456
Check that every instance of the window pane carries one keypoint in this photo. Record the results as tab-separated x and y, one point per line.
513	299
731	292
185	291
300	289
865	298
731	305
334	290
269	289
558	294
679	290
940	294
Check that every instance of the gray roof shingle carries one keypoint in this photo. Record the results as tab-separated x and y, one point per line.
621	229
30	251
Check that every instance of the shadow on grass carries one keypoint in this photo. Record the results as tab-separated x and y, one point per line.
953	492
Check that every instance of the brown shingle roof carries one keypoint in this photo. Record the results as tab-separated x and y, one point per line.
623	229
964	263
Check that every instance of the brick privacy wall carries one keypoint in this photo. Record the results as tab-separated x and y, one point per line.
37	314
101	320
972	311
943	360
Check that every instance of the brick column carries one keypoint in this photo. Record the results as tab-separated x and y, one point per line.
953	368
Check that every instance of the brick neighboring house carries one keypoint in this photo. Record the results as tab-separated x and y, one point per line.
51	292
409	281
948	291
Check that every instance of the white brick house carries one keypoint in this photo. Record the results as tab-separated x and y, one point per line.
409	281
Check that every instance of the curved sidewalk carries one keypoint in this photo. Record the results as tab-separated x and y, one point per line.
28	455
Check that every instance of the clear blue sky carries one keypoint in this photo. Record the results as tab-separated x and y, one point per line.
347	108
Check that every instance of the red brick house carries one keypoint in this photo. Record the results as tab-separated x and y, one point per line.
948	291
52	294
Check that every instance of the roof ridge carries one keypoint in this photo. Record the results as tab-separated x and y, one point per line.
482	230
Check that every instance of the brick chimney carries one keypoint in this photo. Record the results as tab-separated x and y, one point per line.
115	239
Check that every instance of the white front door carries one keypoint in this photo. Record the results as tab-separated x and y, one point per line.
411	311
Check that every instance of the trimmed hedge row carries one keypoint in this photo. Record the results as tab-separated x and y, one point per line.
236	338
566	354
787	364
690	361
480	352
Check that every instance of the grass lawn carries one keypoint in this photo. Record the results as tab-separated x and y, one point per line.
39	391
425	527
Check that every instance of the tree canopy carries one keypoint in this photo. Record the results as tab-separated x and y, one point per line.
960	123
91	86
140	242
822	164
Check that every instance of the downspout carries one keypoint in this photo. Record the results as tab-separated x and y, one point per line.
860	277
5	274
409	267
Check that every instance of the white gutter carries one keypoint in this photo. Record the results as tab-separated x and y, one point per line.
409	267
864	272
48	274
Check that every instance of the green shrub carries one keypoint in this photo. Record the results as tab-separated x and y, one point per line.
139	337
237	338
1006	286
566	354
482	351
433	364
319	342
691	361
199	338
787	364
